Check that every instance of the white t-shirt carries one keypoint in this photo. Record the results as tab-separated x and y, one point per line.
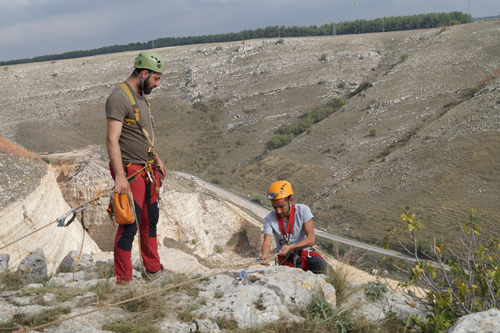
272	227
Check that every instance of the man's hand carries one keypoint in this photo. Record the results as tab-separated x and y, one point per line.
162	168
263	258
122	185
285	249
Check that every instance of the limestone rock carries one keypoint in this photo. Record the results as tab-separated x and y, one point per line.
84	261
4	262
484	322
37	213
33	267
402	305
264	295
206	326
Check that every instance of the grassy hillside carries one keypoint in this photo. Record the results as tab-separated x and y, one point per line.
418	135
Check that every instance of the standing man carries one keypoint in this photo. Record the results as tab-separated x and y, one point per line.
293	230
131	148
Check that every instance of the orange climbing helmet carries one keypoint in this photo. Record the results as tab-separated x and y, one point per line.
279	190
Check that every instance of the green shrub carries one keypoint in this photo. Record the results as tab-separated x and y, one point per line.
286	132
468	283
360	88
471	91
341	85
321	315
280	140
403	57
375	289
218	249
323	57
280	41
217	181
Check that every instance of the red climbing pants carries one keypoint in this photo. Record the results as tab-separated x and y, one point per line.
147	211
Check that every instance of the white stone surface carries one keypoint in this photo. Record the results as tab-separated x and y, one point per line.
40	208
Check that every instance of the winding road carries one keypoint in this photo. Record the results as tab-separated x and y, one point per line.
261	212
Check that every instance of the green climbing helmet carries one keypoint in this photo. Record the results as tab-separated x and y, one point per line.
150	60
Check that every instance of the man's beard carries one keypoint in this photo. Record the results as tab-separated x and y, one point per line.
148	87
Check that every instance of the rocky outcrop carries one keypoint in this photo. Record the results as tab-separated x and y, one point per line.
81	179
260	296
192	297
204	223
484	322
37	213
196	220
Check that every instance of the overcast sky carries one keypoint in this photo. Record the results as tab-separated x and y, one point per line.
30	28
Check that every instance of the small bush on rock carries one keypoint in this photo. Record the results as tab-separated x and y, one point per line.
468	282
375	289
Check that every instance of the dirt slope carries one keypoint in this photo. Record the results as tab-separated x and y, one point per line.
410	139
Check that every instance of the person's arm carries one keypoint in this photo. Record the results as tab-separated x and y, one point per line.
310	240
113	132
266	247
162	165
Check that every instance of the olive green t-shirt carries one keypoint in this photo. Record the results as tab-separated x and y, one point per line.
133	143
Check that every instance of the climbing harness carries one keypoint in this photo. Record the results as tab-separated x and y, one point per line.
289	230
151	150
301	255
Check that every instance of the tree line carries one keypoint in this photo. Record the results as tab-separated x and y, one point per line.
393	23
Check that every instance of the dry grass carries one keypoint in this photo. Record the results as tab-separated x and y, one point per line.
45	317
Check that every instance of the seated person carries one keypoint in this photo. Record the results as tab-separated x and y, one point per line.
293	230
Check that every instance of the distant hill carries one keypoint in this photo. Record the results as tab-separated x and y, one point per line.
425	132
486	18
393	23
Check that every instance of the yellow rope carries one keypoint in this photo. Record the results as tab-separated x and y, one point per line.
27	328
80	254
97	197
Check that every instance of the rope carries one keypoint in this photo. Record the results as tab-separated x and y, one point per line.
88	202
140	248
56	220
242	275
81	249
27	328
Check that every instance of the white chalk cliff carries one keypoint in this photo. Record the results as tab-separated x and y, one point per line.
39	210
193	219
